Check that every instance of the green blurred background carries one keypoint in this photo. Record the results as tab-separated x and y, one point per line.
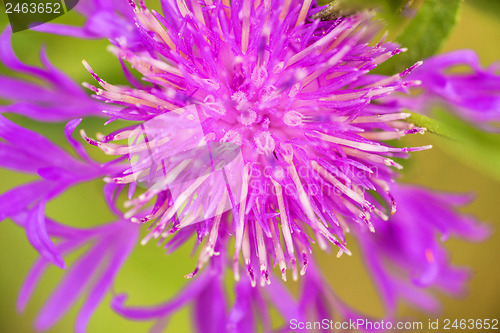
151	277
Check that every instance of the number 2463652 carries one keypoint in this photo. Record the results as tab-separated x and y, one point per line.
33	8
462	324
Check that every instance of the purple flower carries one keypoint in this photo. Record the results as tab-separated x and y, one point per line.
25	151
295	101
105	19
474	94
93	273
420	259
251	307
405	256
205	294
57	98
252	124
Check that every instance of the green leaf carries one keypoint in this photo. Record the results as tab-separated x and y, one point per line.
386	8
432	125
424	34
489	6
472	146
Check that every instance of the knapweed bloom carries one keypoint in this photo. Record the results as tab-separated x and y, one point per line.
255	129
290	101
474	93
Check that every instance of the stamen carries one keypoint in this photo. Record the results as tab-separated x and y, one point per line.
280	256
344	189
303	197
381	118
284	9
262	254
208	251
245	30
317	45
285	227
395	77
240	225
182	7
197	11
179	202
371	157
371	147
245	251
303	12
